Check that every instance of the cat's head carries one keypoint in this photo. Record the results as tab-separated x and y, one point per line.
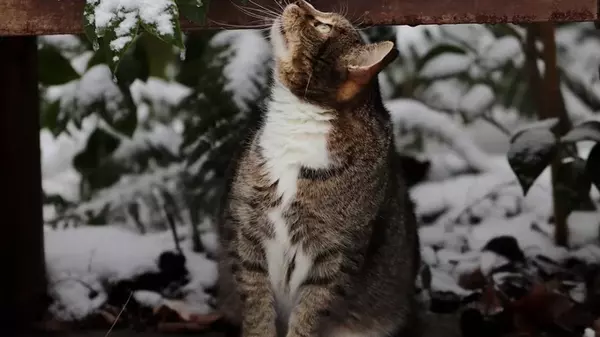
320	57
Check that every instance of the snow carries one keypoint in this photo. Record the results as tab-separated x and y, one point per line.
96	86
59	176
412	114
153	12
476	101
589	333
474	36
527	146
416	38
588	130
250	59
584	228
501	52
124	16
445	94
83	258
446	64
470	196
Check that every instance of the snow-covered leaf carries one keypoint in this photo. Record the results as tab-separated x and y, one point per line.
438	50
501	52
134	65
548	123
531	150
444	60
476	101
54	68
593	165
118	36
248	54
574	183
117	22
96	92
410	114
193	10
589	130
89	24
162	21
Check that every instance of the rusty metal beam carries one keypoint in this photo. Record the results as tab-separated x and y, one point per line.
40	17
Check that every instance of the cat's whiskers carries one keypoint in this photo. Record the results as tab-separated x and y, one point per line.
279	5
358	24
266	9
234	26
267	17
308	83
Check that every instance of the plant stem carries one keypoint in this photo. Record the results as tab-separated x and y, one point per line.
550	104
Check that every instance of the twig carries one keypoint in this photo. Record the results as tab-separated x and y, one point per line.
496	123
119	315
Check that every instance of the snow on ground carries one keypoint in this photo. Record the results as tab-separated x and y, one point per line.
84	259
459	215
474	209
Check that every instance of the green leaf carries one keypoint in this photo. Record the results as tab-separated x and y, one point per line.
134	65
548	123
593	165
54	68
589	130
158	55
531	151
89	23
120	114
124	119
99	57
573	182
193	10
117	44
92	161
170	34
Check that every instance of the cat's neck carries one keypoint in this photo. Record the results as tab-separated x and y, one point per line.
285	105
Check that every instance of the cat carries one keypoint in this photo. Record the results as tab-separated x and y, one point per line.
317	232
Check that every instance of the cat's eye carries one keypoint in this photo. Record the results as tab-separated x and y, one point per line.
323	28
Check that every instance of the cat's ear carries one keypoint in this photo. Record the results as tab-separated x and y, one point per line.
364	63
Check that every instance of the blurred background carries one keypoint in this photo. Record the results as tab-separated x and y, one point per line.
133	164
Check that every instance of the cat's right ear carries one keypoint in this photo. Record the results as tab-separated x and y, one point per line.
363	64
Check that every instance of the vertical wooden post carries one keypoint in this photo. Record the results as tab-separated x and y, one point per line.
22	298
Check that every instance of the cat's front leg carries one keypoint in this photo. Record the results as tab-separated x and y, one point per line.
324	283
250	270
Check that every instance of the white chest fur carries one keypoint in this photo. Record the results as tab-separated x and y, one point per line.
294	135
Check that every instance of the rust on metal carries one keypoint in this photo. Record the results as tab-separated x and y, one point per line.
39	17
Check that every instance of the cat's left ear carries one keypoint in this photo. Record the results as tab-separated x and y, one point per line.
364	63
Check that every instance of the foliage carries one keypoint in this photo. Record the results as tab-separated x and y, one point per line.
159	130
147	174
534	148
113	25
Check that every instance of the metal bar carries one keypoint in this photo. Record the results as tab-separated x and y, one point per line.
23	299
40	17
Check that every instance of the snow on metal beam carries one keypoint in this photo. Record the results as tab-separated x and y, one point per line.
40	17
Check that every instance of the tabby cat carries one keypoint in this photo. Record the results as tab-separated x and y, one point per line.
317	232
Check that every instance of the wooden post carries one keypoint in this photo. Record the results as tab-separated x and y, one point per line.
22	298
